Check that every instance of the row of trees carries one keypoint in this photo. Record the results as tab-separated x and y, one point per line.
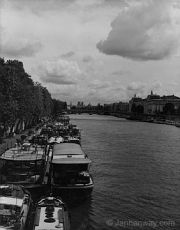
22	99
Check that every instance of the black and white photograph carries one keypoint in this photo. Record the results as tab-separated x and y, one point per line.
90	114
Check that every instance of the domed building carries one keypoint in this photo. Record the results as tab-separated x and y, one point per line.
155	103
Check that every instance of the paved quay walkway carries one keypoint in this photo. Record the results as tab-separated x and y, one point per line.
9	142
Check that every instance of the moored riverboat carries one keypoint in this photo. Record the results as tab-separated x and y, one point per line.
15	205
25	165
51	213
177	124
70	176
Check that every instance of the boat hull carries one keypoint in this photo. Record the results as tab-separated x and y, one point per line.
72	193
36	190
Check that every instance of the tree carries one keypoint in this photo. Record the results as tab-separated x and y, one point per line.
21	99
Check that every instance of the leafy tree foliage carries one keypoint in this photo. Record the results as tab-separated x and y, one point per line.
59	106
21	99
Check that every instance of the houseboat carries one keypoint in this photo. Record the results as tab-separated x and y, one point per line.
25	165
70	176
177	124
51	213
15	205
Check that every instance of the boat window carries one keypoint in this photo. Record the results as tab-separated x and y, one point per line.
72	168
83	167
7	206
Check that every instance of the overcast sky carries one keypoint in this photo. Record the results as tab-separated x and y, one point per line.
97	51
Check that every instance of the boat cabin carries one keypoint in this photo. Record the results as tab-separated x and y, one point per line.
22	164
70	171
15	203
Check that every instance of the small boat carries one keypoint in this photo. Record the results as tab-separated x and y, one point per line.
69	172
54	140
15	205
177	124
74	140
51	213
170	122
25	165
71	139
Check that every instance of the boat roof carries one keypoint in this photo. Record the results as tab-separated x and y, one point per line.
11	201
67	149
43	222
21	157
69	156
71	160
20	154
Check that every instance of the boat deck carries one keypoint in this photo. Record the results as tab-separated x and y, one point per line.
50	219
20	154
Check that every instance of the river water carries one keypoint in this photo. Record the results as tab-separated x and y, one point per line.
136	171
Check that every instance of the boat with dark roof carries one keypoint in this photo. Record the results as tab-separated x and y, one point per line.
70	176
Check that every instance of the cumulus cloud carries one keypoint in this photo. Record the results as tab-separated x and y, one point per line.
12	46
138	88
40	6
108	94
147	30
68	55
97	84
59	91
89	58
156	85
60	72
93	64
83	3
121	72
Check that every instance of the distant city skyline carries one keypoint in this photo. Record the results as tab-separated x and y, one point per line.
95	51
150	95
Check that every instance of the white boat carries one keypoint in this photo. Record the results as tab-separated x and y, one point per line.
54	140
15	204
71	139
51	213
70	176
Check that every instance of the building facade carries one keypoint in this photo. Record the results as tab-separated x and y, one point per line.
154	104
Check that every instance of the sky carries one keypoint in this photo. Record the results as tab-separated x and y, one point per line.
95	51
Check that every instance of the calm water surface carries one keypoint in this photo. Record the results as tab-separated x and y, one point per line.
136	171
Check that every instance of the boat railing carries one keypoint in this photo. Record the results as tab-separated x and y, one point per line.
22	151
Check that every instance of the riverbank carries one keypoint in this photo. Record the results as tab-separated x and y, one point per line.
9	142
